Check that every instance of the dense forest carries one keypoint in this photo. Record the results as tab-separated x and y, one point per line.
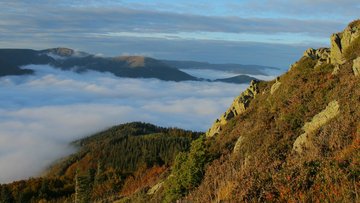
131	155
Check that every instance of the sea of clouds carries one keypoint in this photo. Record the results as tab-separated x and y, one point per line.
41	114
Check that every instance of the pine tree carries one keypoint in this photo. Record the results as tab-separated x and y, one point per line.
99	176
82	188
44	190
6	196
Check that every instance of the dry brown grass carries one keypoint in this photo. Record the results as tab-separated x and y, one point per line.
265	168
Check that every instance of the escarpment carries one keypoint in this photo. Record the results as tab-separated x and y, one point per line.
341	41
322	55
342	48
239	105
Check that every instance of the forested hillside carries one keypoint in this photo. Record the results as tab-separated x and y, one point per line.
108	165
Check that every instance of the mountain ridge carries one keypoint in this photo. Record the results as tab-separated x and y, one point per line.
231	67
67	59
122	66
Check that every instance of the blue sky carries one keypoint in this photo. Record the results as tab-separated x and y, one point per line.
264	32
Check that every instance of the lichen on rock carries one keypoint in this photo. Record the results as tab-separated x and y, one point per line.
239	105
320	119
322	55
336	54
238	144
155	188
275	86
336	70
341	41
356	66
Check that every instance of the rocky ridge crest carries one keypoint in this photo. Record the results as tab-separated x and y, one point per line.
334	55
239	105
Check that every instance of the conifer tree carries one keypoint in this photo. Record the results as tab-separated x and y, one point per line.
6	196
82	188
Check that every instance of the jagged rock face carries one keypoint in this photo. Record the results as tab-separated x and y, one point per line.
341	41
320	119
336	49
356	66
322	55
336	70
239	105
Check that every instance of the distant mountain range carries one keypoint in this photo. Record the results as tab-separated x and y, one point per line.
230	67
9	69
11	61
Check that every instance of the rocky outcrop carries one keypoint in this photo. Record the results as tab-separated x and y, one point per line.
336	70
238	144
239	105
60	51
275	86
320	119
356	66
341	41
322	55
155	188
336	49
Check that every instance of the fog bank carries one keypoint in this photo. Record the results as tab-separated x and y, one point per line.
40	114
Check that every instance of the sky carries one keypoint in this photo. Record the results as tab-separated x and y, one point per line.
262	32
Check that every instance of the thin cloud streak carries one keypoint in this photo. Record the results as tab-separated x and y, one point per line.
81	20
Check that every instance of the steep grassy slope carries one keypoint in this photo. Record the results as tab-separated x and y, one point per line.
294	139
313	108
264	165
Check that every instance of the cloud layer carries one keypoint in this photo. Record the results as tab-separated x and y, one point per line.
41	114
